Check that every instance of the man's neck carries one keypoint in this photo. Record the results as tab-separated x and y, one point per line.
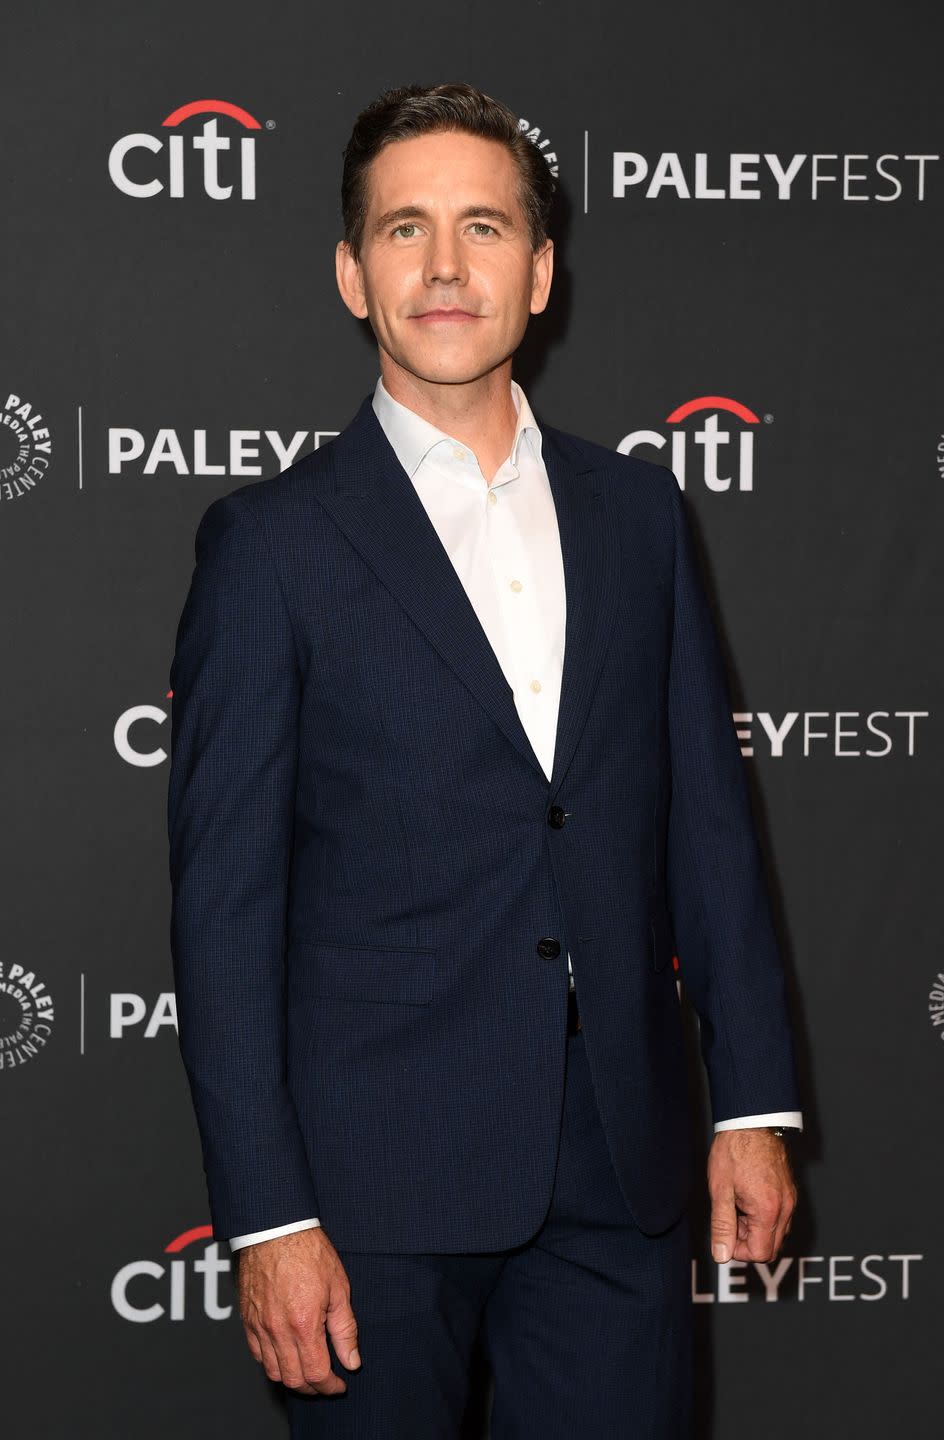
480	414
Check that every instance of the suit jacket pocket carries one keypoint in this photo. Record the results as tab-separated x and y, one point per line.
382	975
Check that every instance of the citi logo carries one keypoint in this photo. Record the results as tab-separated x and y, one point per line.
125	743
172	169
723	457
144	1291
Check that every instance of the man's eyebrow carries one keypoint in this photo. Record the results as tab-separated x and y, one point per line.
410	212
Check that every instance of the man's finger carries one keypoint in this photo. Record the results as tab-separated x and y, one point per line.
784	1220
269	1358
783	1227
342	1327
314	1361
723	1226
315	1376
252	1340
760	1243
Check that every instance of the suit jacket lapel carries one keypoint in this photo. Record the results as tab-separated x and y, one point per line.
589	549
373	500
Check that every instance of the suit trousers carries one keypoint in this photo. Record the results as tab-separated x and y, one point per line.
587	1326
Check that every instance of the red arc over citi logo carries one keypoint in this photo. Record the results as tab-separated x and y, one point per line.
725	440
171	174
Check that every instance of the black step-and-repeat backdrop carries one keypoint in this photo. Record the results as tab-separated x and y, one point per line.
748	288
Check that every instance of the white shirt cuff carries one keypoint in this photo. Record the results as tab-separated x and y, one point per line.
791	1118
238	1241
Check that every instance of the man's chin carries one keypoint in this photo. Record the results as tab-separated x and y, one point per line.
448	370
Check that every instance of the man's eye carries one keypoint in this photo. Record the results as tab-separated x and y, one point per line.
407	225
483	225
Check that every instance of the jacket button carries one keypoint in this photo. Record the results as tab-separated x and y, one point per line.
556	817
548	948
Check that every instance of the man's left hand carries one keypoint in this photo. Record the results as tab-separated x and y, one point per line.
753	1194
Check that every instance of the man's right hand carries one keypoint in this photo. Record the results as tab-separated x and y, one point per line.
290	1289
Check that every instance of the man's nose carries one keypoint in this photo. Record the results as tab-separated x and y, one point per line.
444	260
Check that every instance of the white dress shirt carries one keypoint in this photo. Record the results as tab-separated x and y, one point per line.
502	539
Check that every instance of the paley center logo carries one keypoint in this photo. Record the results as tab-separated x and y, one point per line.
25	447
540	142
723	441
27	1015
143	180
185	1282
936	1005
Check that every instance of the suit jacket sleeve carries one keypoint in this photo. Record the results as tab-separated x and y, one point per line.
230	808
727	948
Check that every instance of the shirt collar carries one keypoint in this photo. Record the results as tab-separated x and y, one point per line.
412	437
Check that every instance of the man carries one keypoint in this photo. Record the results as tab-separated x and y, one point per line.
454	772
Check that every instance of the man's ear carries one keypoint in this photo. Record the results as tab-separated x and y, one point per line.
350	280
541	275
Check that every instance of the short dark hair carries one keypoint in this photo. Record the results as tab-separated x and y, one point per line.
412	110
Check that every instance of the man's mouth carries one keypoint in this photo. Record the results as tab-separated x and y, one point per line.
448	316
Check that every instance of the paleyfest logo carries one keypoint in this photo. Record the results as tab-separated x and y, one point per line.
723	453
187	1280
27	1015
846	734
830	1278
757	176
143	180
25	447
235	453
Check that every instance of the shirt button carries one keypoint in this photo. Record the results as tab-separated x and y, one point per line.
459	454
516	584
535	686
492	497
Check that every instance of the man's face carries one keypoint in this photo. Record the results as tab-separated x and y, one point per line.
445	231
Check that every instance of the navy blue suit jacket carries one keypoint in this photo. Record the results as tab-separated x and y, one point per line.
362	864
